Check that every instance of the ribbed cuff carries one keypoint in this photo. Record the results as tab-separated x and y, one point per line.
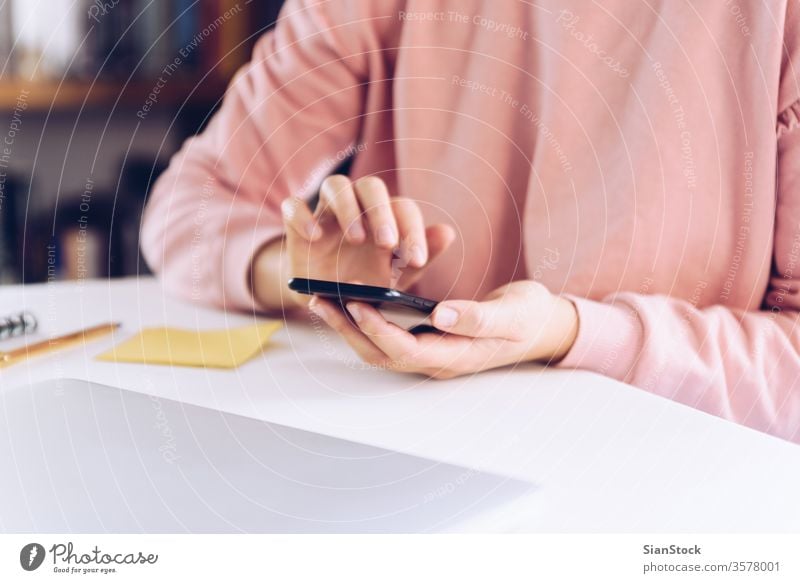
609	338
240	249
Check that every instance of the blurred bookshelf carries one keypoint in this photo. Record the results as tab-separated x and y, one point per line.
95	97
43	96
67	49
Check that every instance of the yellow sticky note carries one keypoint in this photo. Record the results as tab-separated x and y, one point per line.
203	348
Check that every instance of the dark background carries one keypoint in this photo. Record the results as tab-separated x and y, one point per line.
81	141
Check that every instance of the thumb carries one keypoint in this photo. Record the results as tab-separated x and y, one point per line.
495	318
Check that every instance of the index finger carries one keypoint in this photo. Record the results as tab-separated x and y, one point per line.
338	197
374	198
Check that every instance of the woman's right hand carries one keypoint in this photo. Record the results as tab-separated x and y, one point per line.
357	233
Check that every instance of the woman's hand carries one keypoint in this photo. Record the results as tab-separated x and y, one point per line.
519	322
357	233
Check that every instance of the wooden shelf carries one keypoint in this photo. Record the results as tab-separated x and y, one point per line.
41	96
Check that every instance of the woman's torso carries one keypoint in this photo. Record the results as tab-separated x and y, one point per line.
594	148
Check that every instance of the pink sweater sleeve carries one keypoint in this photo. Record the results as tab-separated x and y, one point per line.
740	365
283	119
743	366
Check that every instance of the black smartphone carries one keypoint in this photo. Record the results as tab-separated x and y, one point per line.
405	310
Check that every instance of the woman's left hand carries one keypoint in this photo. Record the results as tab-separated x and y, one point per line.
519	322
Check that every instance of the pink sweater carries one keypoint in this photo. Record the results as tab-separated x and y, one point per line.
642	158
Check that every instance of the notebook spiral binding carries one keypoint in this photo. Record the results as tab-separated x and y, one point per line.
17	325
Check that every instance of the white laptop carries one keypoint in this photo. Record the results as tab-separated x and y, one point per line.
77	457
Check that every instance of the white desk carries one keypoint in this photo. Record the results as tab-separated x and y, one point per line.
608	457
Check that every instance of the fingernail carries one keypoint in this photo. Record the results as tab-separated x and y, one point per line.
356	231
311	230
385	235
418	255
355	311
445	317
288	209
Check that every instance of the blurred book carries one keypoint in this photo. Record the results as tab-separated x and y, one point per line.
6	38
152	42
9	226
187	37
113	48
232	38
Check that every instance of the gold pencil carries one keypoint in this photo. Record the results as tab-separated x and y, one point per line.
56	343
